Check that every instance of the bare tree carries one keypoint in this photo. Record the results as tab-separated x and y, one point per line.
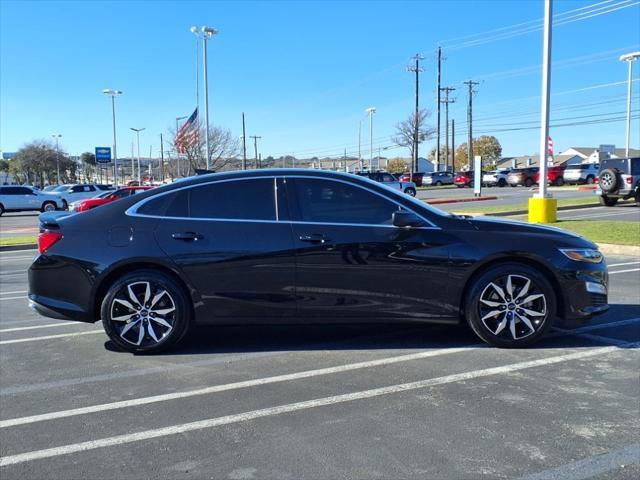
406	131
223	148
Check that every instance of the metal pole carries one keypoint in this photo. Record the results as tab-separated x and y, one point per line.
628	138
206	99
370	140
544	108
359	144
161	159
58	160
115	154
438	114
244	145
138	147
453	144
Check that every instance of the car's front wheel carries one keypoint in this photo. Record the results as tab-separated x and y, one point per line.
145	311
410	191
510	305
48	207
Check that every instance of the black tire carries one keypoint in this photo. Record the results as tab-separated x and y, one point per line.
559	181
460	186
507	329
528	182
608	201
609	180
410	191
590	179
438	183
175	303
637	199
502	183
1	209
48	207
514	185
65	205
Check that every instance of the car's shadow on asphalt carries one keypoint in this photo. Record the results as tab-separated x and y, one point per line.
389	336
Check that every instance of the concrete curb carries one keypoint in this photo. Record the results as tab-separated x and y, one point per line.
568	207
442	201
611	249
15	248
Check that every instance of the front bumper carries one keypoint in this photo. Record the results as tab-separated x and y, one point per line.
585	292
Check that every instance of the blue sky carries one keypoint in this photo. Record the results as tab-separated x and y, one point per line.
304	72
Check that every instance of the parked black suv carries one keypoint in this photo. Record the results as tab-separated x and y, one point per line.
619	178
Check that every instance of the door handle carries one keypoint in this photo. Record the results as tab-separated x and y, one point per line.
187	236
314	238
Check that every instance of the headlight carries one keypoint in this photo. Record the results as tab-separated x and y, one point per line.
582	254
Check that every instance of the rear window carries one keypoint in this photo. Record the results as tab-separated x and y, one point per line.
576	167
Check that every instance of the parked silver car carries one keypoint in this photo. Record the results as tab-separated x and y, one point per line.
390	181
581	173
16	198
619	180
437	179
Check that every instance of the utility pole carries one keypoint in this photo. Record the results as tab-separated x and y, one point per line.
453	144
161	159
438	109
244	145
470	84
446	102
416	126
255	147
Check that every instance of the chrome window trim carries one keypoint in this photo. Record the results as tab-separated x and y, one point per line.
132	210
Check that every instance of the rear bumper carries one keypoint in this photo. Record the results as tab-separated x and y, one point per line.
48	307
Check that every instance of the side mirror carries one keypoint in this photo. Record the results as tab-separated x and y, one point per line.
406	219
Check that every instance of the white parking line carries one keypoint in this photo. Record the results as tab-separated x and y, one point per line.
49	337
16	252
35	327
3	258
24	291
298	406
625	271
23	297
280	378
13	272
622	264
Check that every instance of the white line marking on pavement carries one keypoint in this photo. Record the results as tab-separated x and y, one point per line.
234	386
298	406
623	264
17	258
49	337
23	297
24	291
13	272
16	252
625	271
591	467
35	327
269	380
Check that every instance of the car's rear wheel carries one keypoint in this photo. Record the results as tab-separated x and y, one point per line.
65	205
528	182
1	209
607	201
511	305
559	181
48	207
438	183
502	183
410	191
590	179
145	311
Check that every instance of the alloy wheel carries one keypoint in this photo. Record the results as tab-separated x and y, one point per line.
512	307
143	313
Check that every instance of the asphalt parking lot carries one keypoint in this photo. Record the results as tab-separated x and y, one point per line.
383	401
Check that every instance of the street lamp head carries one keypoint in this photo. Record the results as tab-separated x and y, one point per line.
194	30
630	57
371	110
209	31
56	135
111	93
136	129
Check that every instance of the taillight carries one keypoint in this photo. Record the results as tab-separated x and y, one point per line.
47	239
629	180
596	180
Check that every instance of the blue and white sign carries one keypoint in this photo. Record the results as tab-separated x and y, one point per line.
103	154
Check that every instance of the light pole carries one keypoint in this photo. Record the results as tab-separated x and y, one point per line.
206	33
113	94
138	130
371	111
629	58
57	136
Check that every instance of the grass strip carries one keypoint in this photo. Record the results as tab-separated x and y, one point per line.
24	240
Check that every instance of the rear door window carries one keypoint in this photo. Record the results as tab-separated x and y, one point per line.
251	199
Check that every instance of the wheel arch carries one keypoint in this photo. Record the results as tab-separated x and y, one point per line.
118	271
532	262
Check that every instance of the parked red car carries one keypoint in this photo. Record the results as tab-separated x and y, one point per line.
124	192
417	178
463	179
555	176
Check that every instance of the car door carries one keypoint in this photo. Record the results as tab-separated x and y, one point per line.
352	263
228	239
26	199
390	181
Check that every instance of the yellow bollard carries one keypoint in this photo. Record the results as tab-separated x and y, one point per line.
543	210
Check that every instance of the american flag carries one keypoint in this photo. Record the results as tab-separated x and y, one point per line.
187	136
549	146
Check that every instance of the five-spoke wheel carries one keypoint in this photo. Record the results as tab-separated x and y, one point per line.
145	311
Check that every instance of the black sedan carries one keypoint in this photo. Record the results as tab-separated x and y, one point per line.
301	246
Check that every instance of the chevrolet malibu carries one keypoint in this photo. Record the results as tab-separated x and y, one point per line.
299	246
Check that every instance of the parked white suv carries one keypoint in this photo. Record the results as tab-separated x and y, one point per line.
74	193
581	173
496	177
16	198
